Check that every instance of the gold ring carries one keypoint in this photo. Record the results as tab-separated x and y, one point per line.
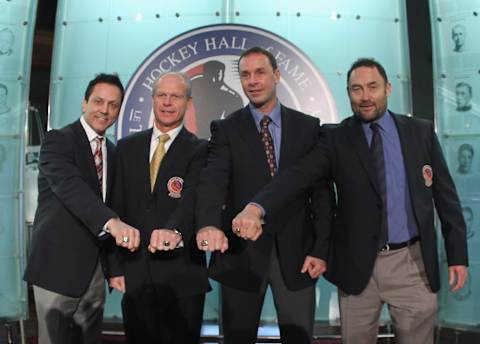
125	239
166	243
237	230
204	243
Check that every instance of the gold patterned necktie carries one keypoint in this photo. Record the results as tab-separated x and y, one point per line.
157	159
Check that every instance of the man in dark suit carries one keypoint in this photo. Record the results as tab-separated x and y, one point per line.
388	171
73	220
157	171
245	151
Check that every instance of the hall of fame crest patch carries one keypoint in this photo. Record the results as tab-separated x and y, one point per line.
175	187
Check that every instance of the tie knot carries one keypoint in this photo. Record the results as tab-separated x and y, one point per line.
375	126
265	121
163	138
98	140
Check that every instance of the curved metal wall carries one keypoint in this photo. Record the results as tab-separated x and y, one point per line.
456	56
116	36
17	22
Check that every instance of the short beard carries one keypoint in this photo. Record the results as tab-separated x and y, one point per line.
378	115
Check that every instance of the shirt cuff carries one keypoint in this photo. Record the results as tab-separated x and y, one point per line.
104	230
262	210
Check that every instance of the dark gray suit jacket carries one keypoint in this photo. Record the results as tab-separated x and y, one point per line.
344	157
65	245
182	271
236	170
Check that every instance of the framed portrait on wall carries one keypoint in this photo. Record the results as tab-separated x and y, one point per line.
471	214
459	48
10	106
459	105
462	154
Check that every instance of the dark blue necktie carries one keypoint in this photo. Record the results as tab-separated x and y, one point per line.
376	148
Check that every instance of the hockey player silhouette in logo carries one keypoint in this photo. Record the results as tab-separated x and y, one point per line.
212	97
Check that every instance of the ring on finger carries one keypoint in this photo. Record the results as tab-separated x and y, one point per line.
236	230
125	239
204	243
166	243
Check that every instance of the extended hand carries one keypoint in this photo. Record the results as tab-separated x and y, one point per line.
247	224
117	283
315	266
211	239
125	235
164	240
457	275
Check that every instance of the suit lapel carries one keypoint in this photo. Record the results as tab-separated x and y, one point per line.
179	147
289	138
251	137
85	150
143	154
360	145
110	168
407	144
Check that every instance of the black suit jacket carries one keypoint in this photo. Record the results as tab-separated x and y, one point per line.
345	157
181	271
236	170
65	245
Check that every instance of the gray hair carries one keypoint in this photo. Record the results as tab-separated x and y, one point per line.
186	81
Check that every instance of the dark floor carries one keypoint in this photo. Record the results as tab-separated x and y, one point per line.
325	335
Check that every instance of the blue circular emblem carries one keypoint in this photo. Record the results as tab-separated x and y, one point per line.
209	55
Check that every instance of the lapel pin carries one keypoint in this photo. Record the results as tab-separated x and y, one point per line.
427	175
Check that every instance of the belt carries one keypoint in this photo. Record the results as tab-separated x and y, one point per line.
396	246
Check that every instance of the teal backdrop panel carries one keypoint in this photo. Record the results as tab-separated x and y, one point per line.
117	35
456	55
17	22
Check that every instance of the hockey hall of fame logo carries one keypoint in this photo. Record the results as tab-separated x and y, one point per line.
209	56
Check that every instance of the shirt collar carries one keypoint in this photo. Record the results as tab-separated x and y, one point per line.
385	122
172	133
91	134
275	114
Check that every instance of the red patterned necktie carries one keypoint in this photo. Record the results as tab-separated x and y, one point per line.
268	145
98	157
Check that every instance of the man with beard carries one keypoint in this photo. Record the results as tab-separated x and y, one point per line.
388	171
